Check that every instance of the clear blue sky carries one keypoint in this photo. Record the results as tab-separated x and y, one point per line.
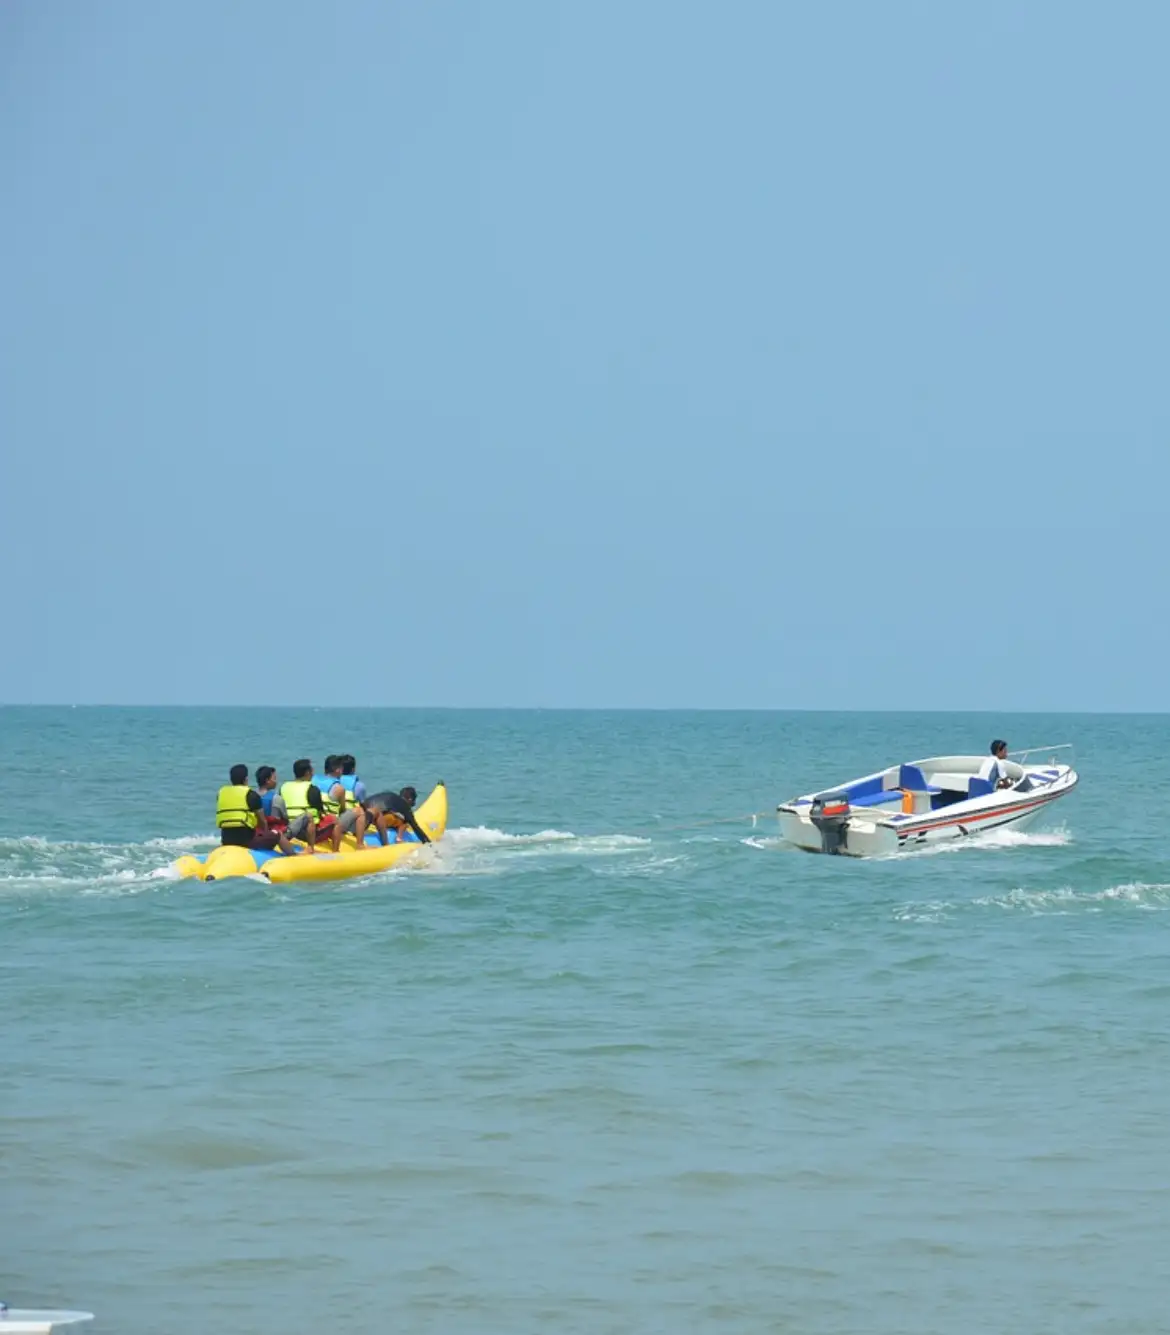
638	353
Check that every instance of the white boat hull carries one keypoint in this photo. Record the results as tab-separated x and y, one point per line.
33	1321
932	815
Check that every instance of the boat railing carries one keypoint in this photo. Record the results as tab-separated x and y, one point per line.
1060	754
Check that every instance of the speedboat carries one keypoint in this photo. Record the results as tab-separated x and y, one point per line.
907	806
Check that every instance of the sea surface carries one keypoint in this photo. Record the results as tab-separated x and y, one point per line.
612	1059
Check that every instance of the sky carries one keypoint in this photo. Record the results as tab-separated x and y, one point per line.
592	353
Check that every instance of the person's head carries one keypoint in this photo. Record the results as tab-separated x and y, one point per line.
239	774
409	795
348	764
329	764
999	749
302	769
266	777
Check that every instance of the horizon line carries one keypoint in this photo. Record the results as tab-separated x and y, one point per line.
593	709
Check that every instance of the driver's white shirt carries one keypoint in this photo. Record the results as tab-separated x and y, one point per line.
993	770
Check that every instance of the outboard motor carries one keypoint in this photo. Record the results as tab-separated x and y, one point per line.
830	814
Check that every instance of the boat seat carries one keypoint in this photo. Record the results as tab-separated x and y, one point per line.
980	787
876	799
912	778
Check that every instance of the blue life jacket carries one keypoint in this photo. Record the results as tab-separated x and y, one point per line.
325	784
266	801
350	782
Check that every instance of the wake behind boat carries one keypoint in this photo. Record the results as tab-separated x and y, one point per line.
925	802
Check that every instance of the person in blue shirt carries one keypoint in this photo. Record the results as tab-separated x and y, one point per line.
354	820
336	801
266	787
350	781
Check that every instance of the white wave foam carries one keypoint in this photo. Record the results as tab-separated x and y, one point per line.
482	851
1138	891
1058	838
167	873
988	841
117	882
1155	897
481	836
183	843
768	842
928	911
36	864
1061	901
39	843
641	866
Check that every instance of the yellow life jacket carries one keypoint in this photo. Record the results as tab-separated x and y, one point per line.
295	796
232	810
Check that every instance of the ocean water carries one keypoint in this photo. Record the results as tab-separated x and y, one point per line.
601	1064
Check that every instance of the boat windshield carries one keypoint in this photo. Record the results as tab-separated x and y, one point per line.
1060	754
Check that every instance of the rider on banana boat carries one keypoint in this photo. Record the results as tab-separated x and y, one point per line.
240	818
266	785
396	810
348	817
300	803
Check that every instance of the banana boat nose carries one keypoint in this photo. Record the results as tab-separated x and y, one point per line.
228	861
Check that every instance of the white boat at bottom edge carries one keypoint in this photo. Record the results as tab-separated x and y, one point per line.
37	1321
924	802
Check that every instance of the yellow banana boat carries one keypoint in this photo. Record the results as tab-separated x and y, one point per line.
349	861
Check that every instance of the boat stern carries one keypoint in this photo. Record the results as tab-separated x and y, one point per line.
849	836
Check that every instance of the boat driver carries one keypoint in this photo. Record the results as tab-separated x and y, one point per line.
994	768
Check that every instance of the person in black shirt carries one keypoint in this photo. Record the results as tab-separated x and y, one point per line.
396	809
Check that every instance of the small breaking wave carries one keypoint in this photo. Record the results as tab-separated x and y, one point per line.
988	841
185	843
1062	901
1137	894
769	842
35	864
1058	838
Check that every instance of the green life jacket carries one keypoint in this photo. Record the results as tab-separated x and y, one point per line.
295	796
232	810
